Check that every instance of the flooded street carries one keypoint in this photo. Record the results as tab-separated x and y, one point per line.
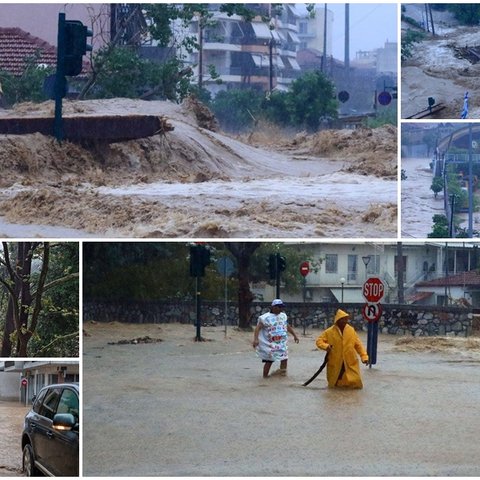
436	70
202	408
195	182
419	204
11	425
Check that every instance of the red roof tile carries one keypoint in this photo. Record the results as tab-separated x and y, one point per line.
16	46
470	279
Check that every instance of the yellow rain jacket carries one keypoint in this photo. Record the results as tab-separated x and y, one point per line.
346	346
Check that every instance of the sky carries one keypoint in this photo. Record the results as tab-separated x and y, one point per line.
371	25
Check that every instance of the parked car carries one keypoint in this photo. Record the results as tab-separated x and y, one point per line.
51	431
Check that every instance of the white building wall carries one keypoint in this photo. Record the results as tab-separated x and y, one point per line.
9	385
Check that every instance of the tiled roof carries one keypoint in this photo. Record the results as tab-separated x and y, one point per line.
16	46
469	279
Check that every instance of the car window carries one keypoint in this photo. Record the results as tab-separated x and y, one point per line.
68	403
50	403
38	401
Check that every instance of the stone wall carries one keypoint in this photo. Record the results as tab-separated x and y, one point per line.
395	319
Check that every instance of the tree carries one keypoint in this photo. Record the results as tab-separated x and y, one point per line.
437	185
26	279
29	85
236	109
309	99
440	227
243	251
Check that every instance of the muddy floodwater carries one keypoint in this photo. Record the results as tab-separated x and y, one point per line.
419	204
192	181
11	425
185	408
437	69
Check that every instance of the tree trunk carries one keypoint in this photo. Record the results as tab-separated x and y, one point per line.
243	252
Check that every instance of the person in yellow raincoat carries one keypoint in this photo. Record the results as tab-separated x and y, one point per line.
342	343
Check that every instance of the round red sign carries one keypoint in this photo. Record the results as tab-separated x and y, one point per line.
304	269
24	382
373	290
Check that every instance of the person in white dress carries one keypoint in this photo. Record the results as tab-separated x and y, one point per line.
270	338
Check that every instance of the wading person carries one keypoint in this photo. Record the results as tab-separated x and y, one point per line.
270	338
343	345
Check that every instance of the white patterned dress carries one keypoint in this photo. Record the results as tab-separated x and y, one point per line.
272	338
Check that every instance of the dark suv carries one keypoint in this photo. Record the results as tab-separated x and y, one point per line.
50	433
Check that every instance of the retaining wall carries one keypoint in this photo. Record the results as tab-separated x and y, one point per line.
395	319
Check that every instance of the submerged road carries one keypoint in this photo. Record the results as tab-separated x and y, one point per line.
202	408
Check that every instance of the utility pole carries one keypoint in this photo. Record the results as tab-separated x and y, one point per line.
347	39
400	273
324	57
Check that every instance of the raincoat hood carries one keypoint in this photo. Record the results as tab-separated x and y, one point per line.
340	314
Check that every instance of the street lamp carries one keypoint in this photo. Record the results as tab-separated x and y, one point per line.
366	261
342	281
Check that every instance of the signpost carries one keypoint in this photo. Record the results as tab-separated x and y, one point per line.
373	291
304	271
225	267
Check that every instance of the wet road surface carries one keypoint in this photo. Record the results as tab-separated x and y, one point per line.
186	408
11	425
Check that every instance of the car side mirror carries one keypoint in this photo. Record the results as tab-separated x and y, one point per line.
64	422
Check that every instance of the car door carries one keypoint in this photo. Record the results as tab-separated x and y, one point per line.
64	455
41	426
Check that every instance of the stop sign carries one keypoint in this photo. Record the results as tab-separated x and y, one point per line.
24	382
304	269
373	290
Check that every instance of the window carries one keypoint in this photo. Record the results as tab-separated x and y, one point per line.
68	403
50	403
38	401
331	263
352	268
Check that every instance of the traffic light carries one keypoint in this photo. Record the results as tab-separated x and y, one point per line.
272	266
76	46
282	263
72	45
199	259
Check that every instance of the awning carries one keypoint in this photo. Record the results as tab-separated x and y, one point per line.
293	63
280	63
276	36
293	37
350	295
260	60
261	30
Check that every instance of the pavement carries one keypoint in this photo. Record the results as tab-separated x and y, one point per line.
185	408
11	425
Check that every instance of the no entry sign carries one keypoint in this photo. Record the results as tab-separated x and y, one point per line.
373	290
304	269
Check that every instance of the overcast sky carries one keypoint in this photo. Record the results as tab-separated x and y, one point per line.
371	25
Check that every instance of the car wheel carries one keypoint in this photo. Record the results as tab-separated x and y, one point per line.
29	469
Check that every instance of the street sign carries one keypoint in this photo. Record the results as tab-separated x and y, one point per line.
225	266
343	96
24	382
384	98
372	312
304	269
373	290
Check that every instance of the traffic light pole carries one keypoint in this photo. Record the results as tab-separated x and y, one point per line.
198	282
60	78
277	275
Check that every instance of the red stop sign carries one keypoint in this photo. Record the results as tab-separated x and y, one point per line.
304	269
373	290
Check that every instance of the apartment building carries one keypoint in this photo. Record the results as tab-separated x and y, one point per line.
433	273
